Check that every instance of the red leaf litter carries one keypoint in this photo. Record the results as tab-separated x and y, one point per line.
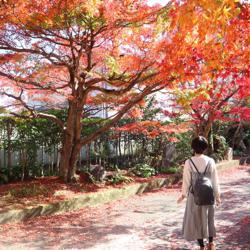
57	191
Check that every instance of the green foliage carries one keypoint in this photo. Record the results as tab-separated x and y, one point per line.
118	178
220	147
183	147
27	136
29	191
170	170
246	136
154	160
17	172
143	170
217	157
4	176
149	111
112	65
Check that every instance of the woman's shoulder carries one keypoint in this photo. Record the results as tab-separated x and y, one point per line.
207	157
210	159
203	159
187	161
210	162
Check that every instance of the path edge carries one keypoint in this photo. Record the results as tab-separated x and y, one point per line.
94	199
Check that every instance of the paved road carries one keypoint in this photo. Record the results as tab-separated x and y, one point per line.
150	221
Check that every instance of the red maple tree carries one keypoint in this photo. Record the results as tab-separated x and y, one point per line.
83	54
77	54
216	83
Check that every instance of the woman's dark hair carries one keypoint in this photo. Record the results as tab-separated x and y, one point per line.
199	144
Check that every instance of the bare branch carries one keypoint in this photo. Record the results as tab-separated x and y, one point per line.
136	80
47	55
147	90
20	80
33	113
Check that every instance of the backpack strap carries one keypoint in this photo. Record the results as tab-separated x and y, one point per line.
197	169
208	164
194	166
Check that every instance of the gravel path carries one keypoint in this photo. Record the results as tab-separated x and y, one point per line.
151	221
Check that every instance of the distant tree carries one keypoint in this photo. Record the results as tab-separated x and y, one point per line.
221	88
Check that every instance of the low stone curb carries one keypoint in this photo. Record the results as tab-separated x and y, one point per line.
227	164
94	199
84	200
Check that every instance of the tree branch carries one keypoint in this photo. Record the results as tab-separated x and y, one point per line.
148	90
132	83
33	113
20	80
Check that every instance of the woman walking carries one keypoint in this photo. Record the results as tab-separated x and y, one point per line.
198	222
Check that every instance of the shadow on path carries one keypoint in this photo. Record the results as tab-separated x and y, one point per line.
146	222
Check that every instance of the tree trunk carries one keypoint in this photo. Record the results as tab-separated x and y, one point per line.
24	164
205	129
71	143
119	149
9	148
73	161
89	155
58	159
65	156
69	156
116	164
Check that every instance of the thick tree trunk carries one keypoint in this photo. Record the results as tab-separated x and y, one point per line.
65	156
73	161
68	161
205	129
71	143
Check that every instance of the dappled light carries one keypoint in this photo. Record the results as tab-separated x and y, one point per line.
153	218
102	105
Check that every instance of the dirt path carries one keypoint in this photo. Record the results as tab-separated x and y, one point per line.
151	221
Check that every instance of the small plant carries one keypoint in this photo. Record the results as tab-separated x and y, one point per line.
4	176
29	191
217	157
220	148
170	170
143	170
119	178
17	173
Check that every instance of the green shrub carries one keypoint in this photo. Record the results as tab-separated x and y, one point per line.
217	157
143	170
183	147
119	178
4	176
17	172
170	170
220	147
29	191
3	179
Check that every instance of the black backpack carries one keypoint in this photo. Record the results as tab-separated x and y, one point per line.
202	189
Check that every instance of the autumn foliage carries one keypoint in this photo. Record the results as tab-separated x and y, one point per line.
215	82
90	55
